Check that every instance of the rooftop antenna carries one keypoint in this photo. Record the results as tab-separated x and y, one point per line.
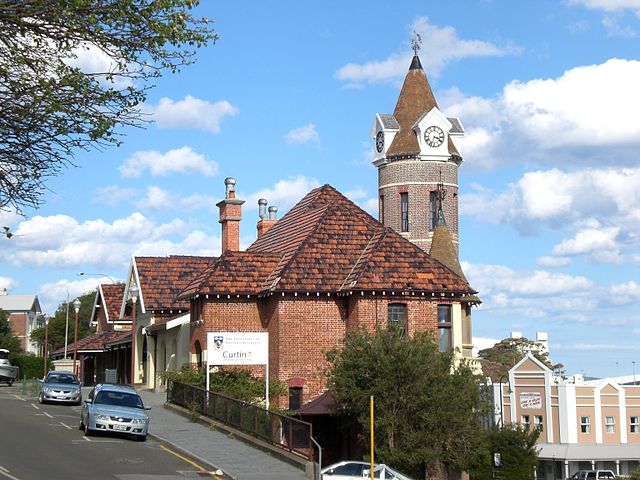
416	41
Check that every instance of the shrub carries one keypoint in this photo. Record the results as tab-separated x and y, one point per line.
30	365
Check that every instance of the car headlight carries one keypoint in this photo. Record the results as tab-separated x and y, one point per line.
139	420
100	416
47	390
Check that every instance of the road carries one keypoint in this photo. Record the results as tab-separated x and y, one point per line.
44	442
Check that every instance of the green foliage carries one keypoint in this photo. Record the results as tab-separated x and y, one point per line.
635	475
30	365
58	322
426	405
7	339
53	106
517	448
499	359
189	375
239	384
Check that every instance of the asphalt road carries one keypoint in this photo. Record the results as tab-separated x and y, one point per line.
43	442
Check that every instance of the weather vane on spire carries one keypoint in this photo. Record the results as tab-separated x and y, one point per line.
416	41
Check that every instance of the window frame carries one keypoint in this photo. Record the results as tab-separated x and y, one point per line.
525	420
381	209
538	422
634	425
610	424
445	326
585	424
398	321
404	211
295	398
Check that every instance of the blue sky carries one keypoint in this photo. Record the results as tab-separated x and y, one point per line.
546	90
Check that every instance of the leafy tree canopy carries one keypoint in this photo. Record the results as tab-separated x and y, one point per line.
499	359
58	322
53	105
518	454
7	338
426	405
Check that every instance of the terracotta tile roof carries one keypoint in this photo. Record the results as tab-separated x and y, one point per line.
112	300
94	342
326	243
162	278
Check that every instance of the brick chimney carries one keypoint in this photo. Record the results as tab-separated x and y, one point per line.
230	217
266	221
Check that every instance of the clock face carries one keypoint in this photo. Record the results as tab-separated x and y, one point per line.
434	136
380	142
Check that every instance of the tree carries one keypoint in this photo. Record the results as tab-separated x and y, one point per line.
58	322
518	455
499	359
8	340
426	404
53	107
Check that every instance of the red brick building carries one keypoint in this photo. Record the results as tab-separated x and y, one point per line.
326	267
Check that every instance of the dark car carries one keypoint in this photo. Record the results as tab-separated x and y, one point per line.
113	408
60	387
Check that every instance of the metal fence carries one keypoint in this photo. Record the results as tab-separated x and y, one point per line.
279	430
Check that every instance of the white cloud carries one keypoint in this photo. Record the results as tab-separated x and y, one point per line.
157	198
443	44
608	5
625	293
8	283
60	241
553	262
588	241
112	195
284	194
182	160
191	112
599	205
611	23
584	117
92	60
301	135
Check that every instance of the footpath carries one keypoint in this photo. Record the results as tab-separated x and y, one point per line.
237	459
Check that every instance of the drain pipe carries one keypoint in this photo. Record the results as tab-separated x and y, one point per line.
319	476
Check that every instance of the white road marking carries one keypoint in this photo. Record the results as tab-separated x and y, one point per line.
35	406
66	426
50	416
4	472
87	438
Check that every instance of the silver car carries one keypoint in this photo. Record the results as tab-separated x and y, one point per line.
350	469
115	409
60	387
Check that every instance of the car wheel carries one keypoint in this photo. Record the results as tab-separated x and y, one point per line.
87	432
81	427
40	399
10	382
141	438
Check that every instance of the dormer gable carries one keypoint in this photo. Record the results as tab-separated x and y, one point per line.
383	131
432	131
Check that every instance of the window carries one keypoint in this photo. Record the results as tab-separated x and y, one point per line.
295	398
537	422
634	423
398	317
381	208
444	327
524	420
585	424
610	424
404	210
433	210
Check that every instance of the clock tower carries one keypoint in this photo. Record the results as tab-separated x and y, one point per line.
417	154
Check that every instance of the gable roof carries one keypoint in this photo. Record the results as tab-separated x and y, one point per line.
20	303
110	297
160	279
96	342
326	243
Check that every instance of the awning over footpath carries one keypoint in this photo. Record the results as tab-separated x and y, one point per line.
573	452
321	405
98	342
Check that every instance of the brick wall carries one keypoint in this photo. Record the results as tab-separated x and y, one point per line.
301	329
418	178
18	322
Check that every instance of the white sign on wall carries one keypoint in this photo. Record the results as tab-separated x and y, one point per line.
237	348
531	400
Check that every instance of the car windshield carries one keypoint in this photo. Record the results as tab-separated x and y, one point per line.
119	399
4	356
61	378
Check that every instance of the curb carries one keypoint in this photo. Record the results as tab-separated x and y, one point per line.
205	463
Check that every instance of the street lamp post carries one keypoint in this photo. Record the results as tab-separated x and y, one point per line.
46	341
76	306
133	293
80	274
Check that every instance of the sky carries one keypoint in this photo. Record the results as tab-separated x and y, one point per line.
284	101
